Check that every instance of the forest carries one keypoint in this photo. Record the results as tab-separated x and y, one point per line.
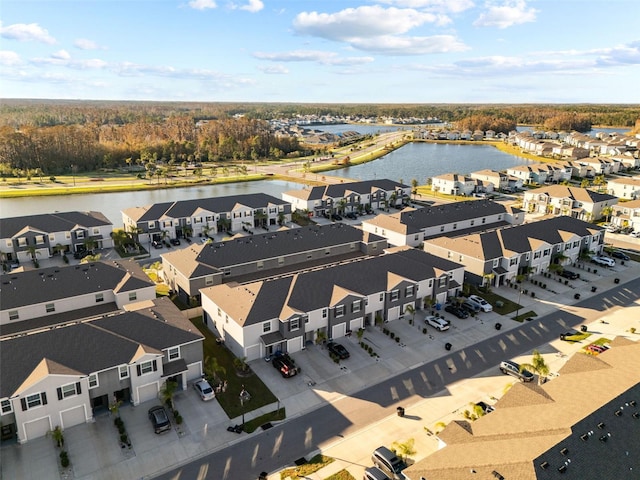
49	137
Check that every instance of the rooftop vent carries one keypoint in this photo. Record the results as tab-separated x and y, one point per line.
544	465
562	468
601	425
564	451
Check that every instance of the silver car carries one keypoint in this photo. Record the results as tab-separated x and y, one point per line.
204	390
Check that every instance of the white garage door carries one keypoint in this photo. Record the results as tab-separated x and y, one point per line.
193	371
37	428
338	331
74	416
147	392
356	324
394	313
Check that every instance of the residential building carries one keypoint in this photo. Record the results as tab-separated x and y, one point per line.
42	236
188	270
498	256
62	375
348	197
497	181
581	203
584	423
541	173
199	217
453	184
601	165
283	314
627	214
46	292
624	187
412	225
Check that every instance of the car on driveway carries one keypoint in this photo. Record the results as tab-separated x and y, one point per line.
374	473
157	244
175	241
159	419
481	302
204	390
571	275
389	462
509	367
456	310
283	363
337	350
635	234
567	336
436	322
470	306
606	261
486	408
620	255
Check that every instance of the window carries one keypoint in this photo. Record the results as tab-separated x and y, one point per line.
123	372
442	282
70	390
52	237
14	315
93	380
496	262
133	296
339	311
96	231
408	292
5	406
173	353
442	228
67	235
9	242
99	297
33	401
355	306
147	367
79	233
473	222
22	242
50	307
281	259
455	226
513	262
266	327
382	297
208	280
484	220
294	324
324	313
260	264
546	253
395	294
536	255
152	224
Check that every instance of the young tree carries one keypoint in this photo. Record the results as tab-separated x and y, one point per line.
405	449
537	365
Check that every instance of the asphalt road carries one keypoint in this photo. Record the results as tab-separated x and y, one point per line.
281	445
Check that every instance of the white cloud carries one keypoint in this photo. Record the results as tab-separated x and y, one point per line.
390	45
202	4
274	69
323	58
61	55
26	32
85	44
453	6
362	22
253	6
9	58
63	59
506	14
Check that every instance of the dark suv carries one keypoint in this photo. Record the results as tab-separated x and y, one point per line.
388	462
569	274
285	365
159	419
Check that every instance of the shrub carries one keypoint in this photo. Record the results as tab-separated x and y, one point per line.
124	438
397	339
121	429
424	330
179	419
632	329
392	335
64	459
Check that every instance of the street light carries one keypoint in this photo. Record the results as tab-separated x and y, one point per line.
244	397
518	310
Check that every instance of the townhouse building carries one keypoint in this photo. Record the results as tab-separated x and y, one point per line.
492	180
453	184
412	225
188	270
42	236
283	314
627	188
601	165
499	256
580	203
627	214
348	197
199	217
540	173
60	370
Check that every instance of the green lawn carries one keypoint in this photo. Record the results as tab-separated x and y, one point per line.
309	468
230	400
341	475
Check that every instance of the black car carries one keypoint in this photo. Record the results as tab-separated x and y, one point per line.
284	364
175	241
569	274
337	350
335	216
568	336
486	408
159	419
157	244
457	311
620	255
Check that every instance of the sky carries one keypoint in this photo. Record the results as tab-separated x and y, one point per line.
322	51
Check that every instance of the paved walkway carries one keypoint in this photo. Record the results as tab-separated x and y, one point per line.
91	446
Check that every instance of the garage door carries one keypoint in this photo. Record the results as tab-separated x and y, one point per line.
147	392
339	330
74	416
356	324
394	313
37	428
193	371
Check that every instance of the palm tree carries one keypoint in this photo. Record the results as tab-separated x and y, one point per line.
414	187
119	237
607	211
212	368
537	365
167	391
187	230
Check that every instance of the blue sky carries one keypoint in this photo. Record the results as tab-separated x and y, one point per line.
364	51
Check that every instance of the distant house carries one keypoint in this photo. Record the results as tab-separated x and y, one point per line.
201	216
498	180
580	203
453	184
627	214
624	187
53	234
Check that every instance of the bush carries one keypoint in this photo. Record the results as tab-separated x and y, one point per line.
64	459
397	339
121	429
392	335
179	419
424	330
124	438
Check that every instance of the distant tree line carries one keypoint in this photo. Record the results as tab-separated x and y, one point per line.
486	122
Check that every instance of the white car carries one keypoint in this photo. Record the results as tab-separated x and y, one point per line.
481	302
204	390
606	261
438	323
635	234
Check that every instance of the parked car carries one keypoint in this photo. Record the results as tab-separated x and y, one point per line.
436	322
157	244
566	336
456	310
596	348
481	302
283	363
204	390
388	462
606	261
620	255
509	367
159	419
486	408
338	350
635	234
374	473
571	275
175	241
470	306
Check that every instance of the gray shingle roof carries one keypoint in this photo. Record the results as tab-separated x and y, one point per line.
338	190
419	218
52	222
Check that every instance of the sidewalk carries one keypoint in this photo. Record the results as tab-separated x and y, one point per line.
91	450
